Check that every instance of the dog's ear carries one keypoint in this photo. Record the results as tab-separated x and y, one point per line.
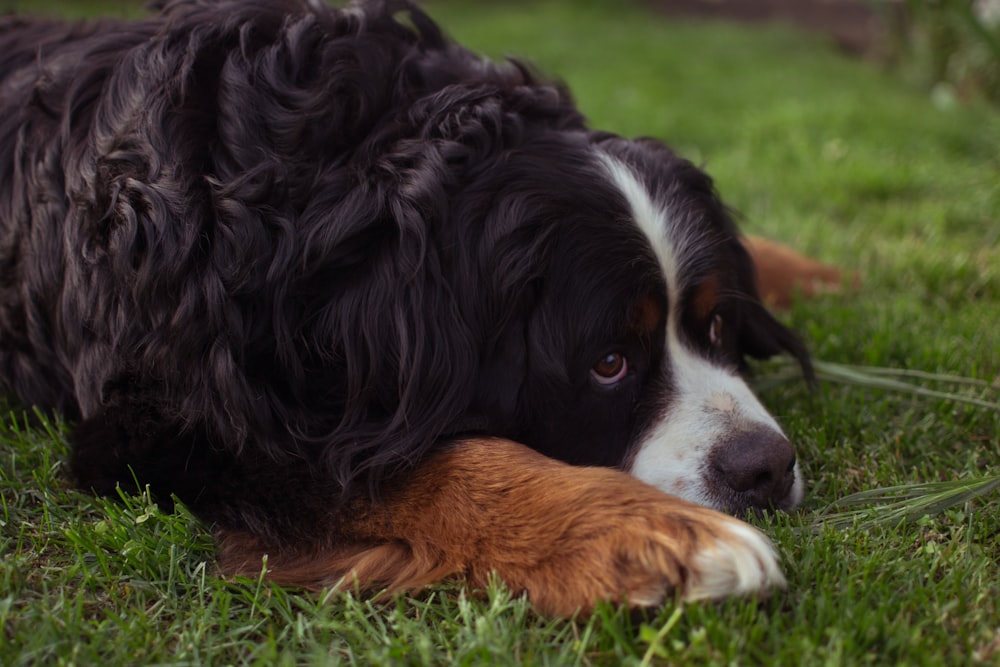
761	335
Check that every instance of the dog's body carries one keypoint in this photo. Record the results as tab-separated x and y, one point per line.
371	306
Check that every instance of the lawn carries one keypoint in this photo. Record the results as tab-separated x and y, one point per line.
829	154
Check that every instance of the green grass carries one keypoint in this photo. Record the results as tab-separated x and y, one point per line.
828	154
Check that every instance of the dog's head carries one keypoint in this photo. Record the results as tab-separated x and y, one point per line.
621	309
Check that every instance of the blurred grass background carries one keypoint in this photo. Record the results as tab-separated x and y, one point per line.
858	163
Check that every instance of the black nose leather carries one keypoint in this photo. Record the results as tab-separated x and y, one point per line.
759	464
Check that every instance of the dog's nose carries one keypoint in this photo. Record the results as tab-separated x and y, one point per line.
758	464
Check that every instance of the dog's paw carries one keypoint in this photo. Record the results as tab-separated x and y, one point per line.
691	553
639	546
739	561
570	537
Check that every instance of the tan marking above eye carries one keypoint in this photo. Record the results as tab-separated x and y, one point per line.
647	313
706	298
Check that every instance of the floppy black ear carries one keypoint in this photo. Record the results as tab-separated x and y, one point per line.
761	335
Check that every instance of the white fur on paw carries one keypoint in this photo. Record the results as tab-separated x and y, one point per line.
741	560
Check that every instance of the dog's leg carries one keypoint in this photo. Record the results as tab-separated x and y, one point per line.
568	536
783	272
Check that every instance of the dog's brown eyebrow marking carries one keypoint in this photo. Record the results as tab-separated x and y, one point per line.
646	315
705	298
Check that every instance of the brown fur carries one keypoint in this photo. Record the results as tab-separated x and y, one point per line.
706	298
567	536
782	272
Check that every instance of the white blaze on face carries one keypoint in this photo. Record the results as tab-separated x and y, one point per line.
709	404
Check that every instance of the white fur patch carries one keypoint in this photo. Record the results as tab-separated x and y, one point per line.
741	561
709	404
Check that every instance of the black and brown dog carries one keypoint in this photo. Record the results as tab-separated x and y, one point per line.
382	310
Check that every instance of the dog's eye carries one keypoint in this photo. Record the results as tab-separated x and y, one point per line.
715	330
610	369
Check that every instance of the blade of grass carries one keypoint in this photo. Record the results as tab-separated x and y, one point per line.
853	375
884	379
924	375
895	504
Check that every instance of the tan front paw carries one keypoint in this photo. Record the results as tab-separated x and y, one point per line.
643	553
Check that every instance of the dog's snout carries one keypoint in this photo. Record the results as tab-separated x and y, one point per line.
758	464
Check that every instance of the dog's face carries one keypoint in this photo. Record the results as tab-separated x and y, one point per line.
629	309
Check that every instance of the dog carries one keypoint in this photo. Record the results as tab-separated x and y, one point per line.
382	311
